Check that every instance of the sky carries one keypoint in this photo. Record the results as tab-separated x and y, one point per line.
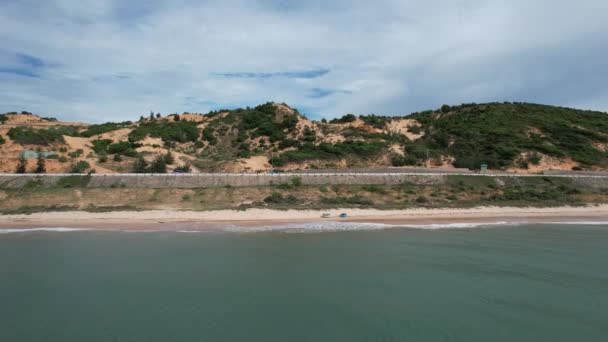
108	60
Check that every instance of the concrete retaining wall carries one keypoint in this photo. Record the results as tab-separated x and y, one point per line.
185	181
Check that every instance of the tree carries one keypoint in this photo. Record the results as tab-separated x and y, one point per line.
102	157
151	115
80	167
140	165
445	108
186	168
158	165
141	118
22	166
169	159
158	115
40	164
176	117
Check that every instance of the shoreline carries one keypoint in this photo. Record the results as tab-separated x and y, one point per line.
172	220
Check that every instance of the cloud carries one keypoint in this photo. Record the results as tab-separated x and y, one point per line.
21	64
287	74
317	93
102	60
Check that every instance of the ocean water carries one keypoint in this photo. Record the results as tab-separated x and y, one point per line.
323	282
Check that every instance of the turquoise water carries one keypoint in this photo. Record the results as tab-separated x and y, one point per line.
509	283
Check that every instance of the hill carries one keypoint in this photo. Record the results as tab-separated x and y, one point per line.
518	137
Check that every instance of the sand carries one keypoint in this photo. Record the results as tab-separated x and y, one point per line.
175	220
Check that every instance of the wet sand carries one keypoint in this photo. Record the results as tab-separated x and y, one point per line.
210	220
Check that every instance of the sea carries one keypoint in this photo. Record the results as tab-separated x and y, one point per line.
307	282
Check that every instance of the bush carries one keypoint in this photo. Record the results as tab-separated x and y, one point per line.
140	165
354	200
158	165
100	146
117	158
278	198
421	199
186	168
169	159
296	181
62	159
119	147
73	181
169	132
2	141
102	158
345	119
415	129
32	136
104	128
209	136
22	165
80	167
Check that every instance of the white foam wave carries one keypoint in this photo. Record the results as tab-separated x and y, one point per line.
354	226
582	223
314	227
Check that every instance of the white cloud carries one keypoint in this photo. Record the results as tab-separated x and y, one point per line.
114	60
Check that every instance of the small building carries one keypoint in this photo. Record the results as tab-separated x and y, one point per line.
29	154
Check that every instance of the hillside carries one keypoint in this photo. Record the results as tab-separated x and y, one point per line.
517	137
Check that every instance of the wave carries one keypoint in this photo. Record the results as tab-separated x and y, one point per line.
312	227
353	226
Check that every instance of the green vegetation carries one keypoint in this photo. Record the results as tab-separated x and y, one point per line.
80	166
158	165
497	133
375	120
73	181
140	165
2	140
169	132
278	198
309	151
262	121
22	165
40	164
104	128
31	136
345	119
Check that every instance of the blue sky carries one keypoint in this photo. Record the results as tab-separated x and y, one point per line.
101	60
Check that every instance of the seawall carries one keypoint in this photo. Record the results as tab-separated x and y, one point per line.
193	181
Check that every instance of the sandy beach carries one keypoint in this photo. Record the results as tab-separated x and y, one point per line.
206	220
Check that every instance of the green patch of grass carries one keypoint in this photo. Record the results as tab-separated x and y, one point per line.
73	181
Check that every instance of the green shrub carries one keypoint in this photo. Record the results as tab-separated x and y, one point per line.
354	200
100	146
27	135
169	132
104	128
103	157
278	198
73	181
209	136
421	199
62	159
80	167
345	119
159	165
296	181
2	140
140	165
